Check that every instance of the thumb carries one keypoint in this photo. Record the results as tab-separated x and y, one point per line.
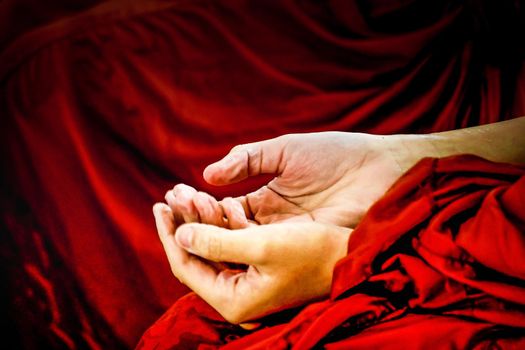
219	244
265	157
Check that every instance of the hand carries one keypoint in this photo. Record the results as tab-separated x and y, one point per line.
330	177
334	177
288	264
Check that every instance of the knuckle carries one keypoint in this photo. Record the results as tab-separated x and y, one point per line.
183	190
286	138
237	148
237	205
177	188
200	200
201	195
227	203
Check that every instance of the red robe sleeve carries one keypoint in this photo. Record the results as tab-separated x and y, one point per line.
438	262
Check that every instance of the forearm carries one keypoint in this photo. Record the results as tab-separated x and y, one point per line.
499	142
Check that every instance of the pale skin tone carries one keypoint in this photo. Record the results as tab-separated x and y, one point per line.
292	231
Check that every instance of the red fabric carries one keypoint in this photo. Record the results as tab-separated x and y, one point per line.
103	110
437	263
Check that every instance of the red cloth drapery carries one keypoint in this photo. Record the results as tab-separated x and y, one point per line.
104	110
439	262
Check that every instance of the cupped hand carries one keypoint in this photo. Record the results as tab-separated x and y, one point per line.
287	264
329	177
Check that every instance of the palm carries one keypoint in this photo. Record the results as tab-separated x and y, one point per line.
330	178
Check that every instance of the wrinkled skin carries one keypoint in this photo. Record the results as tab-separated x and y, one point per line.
330	177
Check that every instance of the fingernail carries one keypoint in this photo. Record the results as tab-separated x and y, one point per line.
184	237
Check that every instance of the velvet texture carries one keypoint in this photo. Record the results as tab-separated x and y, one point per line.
106	108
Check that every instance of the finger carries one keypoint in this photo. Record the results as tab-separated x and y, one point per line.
180	200
251	159
188	269
234	212
250	216
214	243
218	287
170	199
208	209
166	230
164	221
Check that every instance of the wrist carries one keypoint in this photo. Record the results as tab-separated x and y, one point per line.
408	149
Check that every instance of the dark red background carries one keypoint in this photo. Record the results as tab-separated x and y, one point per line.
105	106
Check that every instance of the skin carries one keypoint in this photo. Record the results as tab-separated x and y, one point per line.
292	229
316	176
331	177
278	256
